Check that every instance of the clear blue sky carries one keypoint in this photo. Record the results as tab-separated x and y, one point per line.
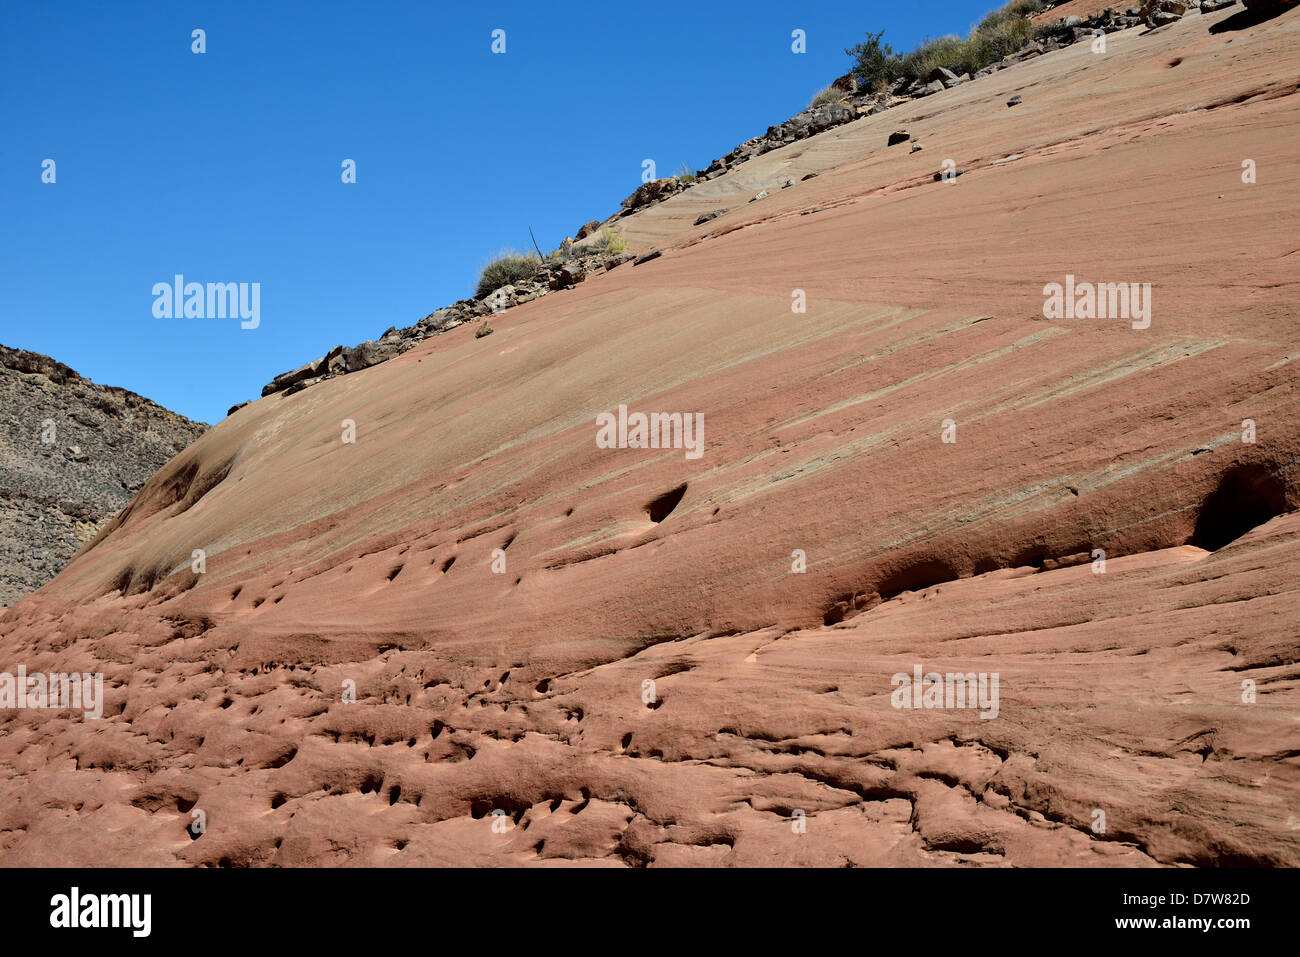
225	166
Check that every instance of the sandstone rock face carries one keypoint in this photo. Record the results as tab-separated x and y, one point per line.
476	635
72	453
1097	19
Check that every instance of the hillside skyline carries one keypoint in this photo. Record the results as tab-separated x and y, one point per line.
163	160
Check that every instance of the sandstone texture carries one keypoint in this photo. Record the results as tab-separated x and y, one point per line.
566	654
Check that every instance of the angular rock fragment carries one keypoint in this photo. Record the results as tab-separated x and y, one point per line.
566	276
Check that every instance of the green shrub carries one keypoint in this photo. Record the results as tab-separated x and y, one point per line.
950	53
685	173
874	63
1015	10
1002	39
1002	32
506	267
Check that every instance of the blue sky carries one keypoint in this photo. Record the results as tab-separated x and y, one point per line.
225	166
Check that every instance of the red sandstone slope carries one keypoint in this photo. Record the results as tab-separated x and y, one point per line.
525	691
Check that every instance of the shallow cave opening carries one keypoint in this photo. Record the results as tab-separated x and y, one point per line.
917	577
663	506
1034	557
1247	496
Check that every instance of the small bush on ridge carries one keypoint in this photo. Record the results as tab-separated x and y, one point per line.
506	267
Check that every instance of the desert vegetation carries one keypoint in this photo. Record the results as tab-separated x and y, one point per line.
1002	32
606	241
504	268
826	96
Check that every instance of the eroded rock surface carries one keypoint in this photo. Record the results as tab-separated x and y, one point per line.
563	653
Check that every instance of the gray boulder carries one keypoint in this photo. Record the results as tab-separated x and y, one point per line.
368	354
285	379
566	276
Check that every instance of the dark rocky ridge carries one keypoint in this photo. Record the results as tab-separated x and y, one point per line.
56	495
570	266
